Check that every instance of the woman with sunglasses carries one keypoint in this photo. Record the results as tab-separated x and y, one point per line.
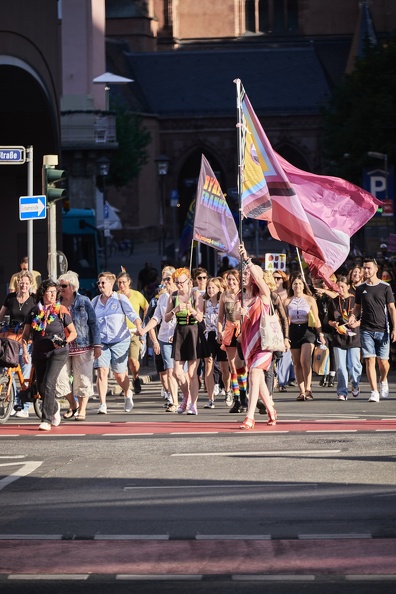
82	351
112	310
162	343
186	307
256	303
52	330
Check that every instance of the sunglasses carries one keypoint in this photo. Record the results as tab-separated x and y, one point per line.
63	286
101	283
181	282
277	278
167	279
202	277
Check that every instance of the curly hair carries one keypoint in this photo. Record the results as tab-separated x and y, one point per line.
24	273
45	285
179	271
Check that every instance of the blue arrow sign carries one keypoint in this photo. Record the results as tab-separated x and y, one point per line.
12	155
32	207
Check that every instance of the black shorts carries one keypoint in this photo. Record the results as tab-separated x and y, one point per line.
301	334
214	348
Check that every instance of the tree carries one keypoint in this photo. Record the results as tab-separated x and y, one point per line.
361	116
131	154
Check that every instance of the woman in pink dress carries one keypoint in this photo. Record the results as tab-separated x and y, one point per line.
256	302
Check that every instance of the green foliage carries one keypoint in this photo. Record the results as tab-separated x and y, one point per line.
362	114
131	154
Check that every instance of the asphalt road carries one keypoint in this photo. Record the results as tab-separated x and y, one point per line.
153	494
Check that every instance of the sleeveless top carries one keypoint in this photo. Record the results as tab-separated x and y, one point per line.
183	318
211	316
298	310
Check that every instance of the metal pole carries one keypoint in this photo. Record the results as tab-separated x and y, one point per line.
29	152
240	132
51	161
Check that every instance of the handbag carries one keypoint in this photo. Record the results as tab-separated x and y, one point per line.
272	338
311	319
321	361
9	352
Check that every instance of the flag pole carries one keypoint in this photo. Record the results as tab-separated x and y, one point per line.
237	81
191	254
299	261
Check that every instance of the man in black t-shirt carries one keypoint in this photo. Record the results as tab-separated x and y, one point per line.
374	305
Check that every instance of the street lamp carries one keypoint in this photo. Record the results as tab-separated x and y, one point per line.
383	157
102	171
162	169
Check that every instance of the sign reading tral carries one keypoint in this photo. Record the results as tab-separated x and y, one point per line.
32	207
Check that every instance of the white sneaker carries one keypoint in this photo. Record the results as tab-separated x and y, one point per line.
374	396
384	390
102	410
216	390
128	404
222	392
355	392
45	426
229	399
56	419
22	414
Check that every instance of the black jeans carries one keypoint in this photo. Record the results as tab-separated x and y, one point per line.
47	371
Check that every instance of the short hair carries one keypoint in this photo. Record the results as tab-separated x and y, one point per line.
343	279
198	271
24	273
369	259
44	286
71	278
168	270
179	271
109	275
25	260
124	274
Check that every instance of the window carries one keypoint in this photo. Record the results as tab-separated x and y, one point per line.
271	16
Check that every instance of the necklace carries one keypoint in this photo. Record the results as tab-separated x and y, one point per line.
20	305
45	315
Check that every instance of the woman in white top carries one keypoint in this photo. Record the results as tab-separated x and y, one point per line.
163	342
211	315
302	338
111	311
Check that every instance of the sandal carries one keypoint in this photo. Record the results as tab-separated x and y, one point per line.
301	397
272	418
247	424
308	395
70	413
79	417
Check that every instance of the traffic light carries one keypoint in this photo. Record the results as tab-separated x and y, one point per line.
52	177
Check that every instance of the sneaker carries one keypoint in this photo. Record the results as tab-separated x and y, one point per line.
341	397
384	390
216	390
164	393
261	407
374	396
292	383
182	406
209	404
102	410
45	426
56	419
128	403
22	414
13	412
192	409
355	392
229	399
222	392
137	386
171	408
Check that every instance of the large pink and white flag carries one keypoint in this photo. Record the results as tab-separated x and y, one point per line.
315	213
214	224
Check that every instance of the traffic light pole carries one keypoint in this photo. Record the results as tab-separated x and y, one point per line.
29	154
50	161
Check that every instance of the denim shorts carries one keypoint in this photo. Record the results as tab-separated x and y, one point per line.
166	352
114	356
375	344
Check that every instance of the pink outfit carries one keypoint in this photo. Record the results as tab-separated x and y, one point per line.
251	338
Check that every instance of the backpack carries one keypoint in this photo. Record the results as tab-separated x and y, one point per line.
9	352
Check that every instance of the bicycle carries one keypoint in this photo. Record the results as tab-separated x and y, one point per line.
28	392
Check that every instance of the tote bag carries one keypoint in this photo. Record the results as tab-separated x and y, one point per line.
271	332
321	361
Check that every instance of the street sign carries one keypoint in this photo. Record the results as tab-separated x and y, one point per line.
32	207
12	155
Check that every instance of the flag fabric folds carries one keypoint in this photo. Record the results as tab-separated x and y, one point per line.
214	224
315	213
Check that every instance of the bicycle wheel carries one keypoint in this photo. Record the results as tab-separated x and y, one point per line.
38	406
6	401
